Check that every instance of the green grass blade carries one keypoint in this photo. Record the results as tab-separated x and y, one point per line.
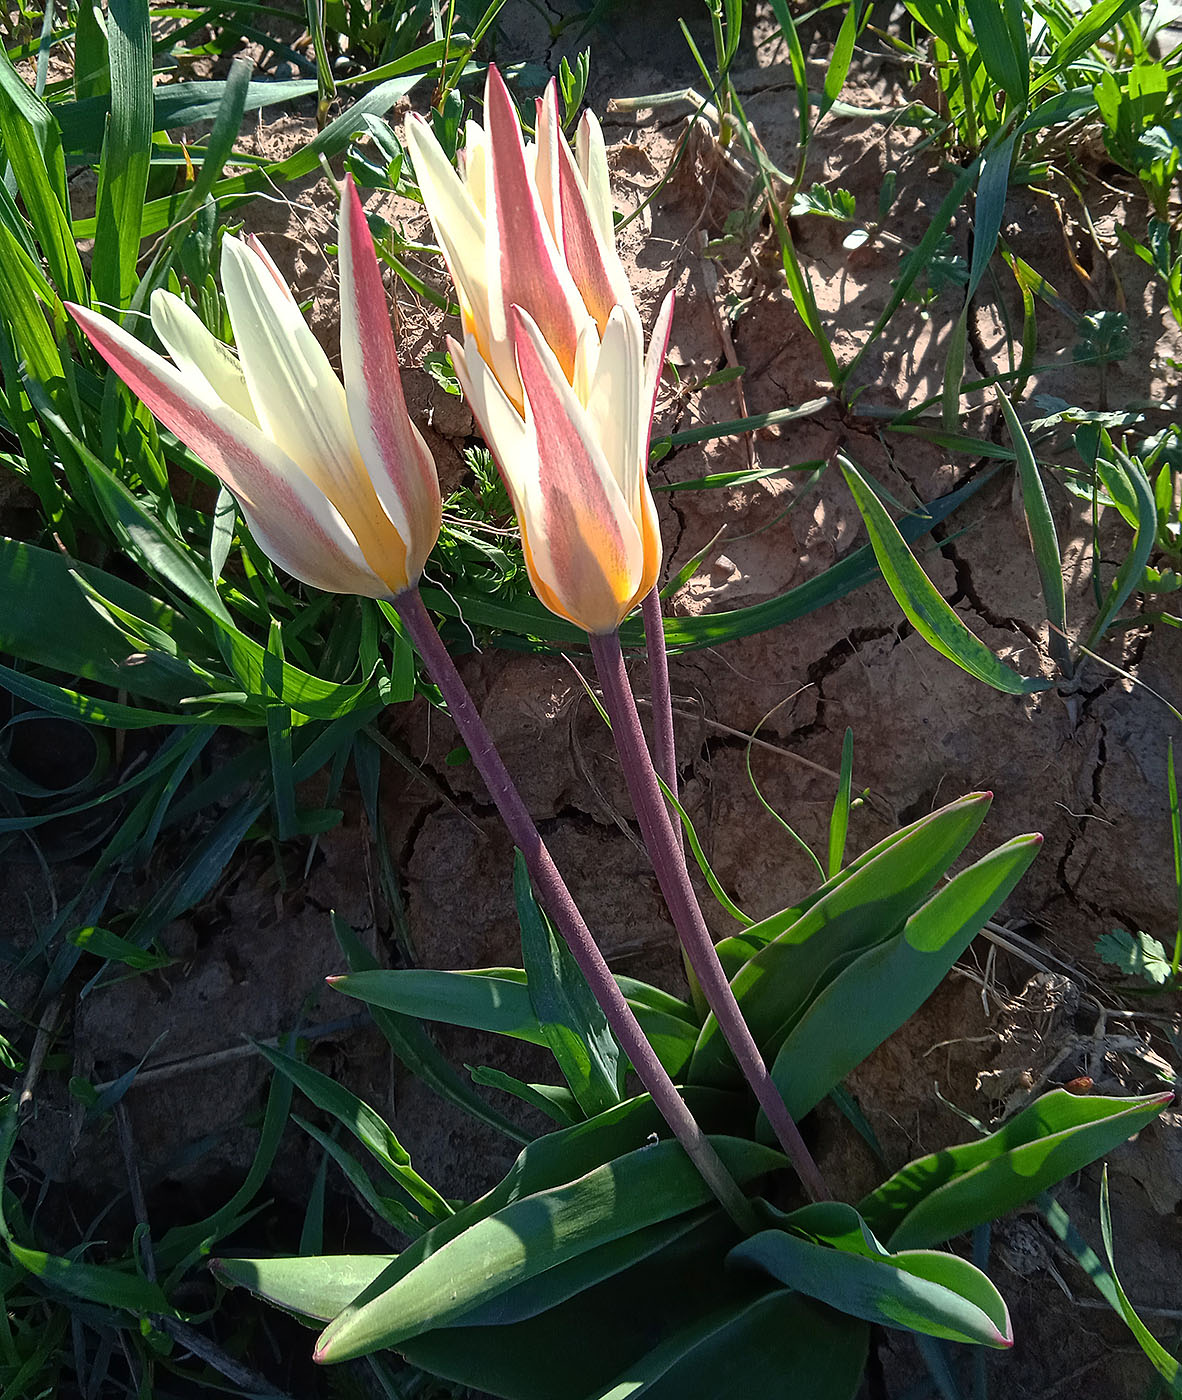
367	1126
1000	31
924	607
414	1047
839	59
1096	21
123	170
1159	1358
919	257
1044	539
839	821
32	144
1131	573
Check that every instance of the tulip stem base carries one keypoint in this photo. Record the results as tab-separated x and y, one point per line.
673	877
559	904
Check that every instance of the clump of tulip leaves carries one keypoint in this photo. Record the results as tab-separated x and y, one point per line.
601	1266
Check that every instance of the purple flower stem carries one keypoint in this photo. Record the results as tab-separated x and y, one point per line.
664	748
559	904
673	877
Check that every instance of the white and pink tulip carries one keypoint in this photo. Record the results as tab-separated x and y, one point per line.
335	481
553	361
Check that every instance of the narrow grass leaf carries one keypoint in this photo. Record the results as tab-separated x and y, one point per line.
554	1100
918	259
1160	1359
410	1041
1131	573
367	1126
127	149
393	1211
33	147
839	820
839	58
926	610
1095	22
1044	539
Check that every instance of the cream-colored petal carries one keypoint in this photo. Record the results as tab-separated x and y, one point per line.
501	424
474	157
456	216
612	400
196	352
591	154
289	515
298	398
584	541
301	405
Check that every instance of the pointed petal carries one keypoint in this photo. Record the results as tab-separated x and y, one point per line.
513	447
650	531
520	245
301	404
501	425
195	351
456	216
585	545
291	519
473	159
592	157
547	136
399	463
268	262
590	254
654	363
616	386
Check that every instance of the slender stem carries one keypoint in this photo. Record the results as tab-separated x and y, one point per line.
664	748
559	904
674	880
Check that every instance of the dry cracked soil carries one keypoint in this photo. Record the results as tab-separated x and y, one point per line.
1086	767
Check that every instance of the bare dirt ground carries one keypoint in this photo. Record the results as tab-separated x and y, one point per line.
1087	769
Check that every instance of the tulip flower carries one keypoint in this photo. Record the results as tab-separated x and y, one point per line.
553	361
335	481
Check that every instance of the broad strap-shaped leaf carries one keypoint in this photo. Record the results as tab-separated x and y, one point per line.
313	1288
876	994
946	1193
737	949
922	603
749	1349
529	1236
572	1022
938	1295
497	1000
776	984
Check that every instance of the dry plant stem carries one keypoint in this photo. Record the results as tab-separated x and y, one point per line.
664	748
559	904
673	877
